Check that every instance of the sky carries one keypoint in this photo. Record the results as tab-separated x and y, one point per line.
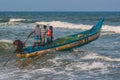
59	5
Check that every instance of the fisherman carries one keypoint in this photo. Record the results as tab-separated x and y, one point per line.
50	34
19	46
43	34
51	28
37	34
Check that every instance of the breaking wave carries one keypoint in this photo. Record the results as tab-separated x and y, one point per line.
7	41
16	20
104	58
12	20
5	46
60	24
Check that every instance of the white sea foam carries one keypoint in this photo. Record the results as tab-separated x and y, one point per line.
115	29
7	75
24	74
60	24
102	67
55	61
16	19
96	56
88	66
65	25
4	40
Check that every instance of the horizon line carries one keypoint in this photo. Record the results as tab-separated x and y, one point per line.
54	11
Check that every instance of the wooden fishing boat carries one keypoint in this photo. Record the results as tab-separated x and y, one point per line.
65	43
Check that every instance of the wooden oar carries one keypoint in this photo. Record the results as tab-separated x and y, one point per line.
25	41
8	60
14	54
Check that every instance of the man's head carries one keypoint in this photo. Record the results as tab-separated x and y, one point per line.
51	27
37	25
19	46
44	26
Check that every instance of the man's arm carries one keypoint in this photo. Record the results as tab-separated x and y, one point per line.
31	34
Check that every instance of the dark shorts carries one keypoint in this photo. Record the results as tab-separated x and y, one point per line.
37	38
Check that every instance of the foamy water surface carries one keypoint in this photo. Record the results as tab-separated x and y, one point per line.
98	60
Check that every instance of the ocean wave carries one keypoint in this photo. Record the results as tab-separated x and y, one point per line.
5	44
5	47
65	25
96	56
26	74
7	41
115	29
16	20
60	24
86	66
10	20
2	20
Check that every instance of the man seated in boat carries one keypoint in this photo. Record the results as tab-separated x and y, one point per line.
37	36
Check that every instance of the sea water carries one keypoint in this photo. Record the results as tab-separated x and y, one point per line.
98	60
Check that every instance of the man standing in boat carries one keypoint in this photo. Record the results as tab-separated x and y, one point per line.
43	34
37	36
49	34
